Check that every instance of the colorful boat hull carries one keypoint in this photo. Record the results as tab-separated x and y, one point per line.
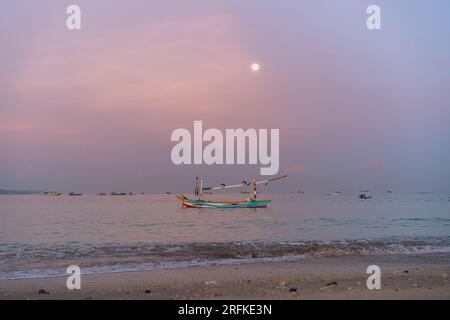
190	203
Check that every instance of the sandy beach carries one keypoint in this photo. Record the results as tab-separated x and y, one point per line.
403	277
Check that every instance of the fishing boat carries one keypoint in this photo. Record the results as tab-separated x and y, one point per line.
52	193
248	202
74	194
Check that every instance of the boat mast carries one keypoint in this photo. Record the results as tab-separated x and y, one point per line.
196	186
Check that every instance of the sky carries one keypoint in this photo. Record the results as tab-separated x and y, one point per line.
92	110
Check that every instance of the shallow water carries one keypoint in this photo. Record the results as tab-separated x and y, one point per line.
41	235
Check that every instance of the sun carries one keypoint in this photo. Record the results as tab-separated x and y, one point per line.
255	67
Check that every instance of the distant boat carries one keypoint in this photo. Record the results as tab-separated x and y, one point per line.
336	193
248	202
102	194
118	193
75	194
52	193
364	196
388	191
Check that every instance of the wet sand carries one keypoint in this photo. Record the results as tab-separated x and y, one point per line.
423	276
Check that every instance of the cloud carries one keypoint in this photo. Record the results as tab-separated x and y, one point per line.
166	66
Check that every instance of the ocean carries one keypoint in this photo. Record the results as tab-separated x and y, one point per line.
40	236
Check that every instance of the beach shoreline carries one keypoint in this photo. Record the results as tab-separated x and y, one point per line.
423	276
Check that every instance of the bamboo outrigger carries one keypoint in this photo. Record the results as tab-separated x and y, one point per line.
248	202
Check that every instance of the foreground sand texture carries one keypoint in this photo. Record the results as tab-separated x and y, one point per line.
403	277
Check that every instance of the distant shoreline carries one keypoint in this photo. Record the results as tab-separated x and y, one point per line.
19	192
225	193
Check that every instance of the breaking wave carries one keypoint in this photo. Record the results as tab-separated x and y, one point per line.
19	261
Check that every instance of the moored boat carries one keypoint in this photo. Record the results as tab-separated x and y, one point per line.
248	202
52	193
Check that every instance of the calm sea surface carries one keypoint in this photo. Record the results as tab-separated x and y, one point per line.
40	236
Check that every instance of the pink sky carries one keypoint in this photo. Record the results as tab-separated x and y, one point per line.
93	110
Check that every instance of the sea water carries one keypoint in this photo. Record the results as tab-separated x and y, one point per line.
40	236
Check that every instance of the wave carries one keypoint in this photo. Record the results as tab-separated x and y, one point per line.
21	261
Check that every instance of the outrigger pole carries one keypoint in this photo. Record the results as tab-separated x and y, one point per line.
243	184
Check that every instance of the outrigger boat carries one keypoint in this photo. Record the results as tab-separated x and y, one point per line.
248	202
